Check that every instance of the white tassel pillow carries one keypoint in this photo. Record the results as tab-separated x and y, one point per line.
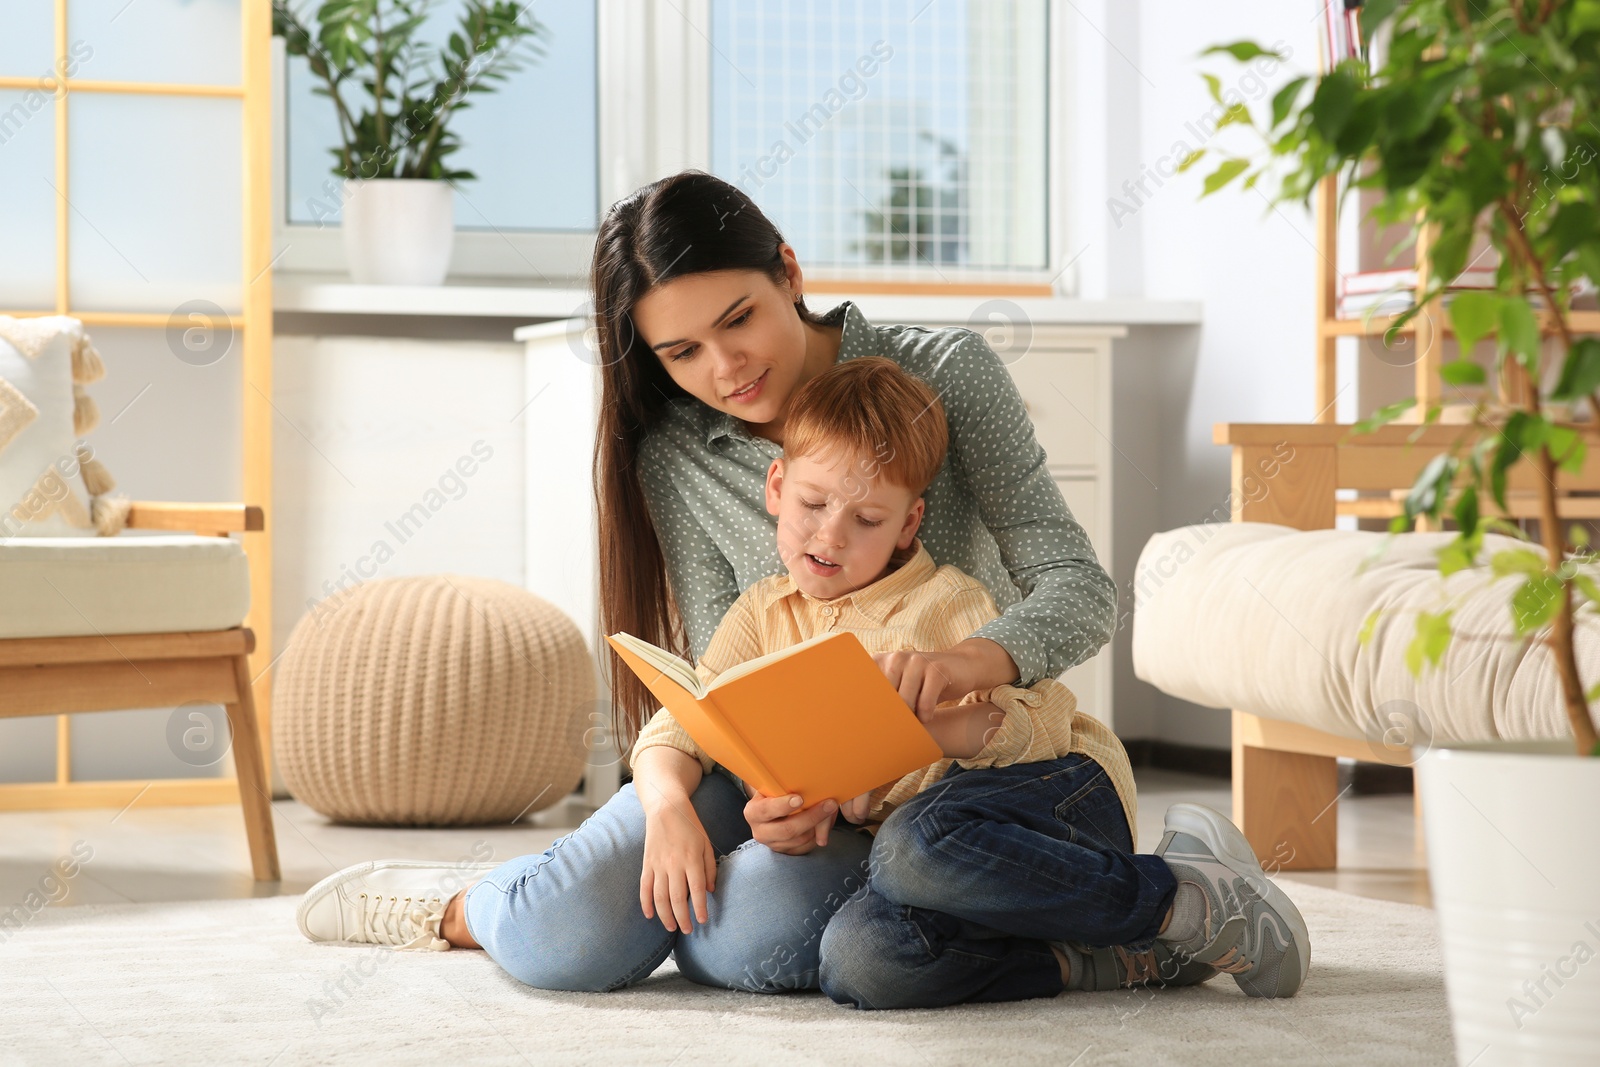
50	483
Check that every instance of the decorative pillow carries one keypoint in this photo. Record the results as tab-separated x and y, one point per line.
44	414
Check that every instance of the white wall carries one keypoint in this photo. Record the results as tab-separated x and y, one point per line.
1252	358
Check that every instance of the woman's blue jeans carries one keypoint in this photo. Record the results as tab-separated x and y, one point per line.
569	918
951	903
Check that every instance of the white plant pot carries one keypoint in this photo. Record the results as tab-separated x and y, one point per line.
398	231
1515	872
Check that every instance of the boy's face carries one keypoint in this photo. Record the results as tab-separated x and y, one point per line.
837	524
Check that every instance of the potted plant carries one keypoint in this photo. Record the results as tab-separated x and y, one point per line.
1481	118
394	95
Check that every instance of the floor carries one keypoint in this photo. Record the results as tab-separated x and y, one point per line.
198	853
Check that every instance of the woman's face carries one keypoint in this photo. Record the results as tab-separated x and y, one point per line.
721	332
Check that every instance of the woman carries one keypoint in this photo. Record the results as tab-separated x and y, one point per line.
704	335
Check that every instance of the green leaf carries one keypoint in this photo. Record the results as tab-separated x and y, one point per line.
1238	113
1454	557
1580	373
1566	448
1284	99
1368	625
1523	433
1536	602
1383	416
1229	170
1243	51
1466	512
1432	486
1522	561
1519	331
1191	159
1462	372
1473	315
1332	103
1214	86
1431	640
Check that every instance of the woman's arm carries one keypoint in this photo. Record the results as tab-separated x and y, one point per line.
1069	605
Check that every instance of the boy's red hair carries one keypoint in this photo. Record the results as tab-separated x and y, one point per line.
873	409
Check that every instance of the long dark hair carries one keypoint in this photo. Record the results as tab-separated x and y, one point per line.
689	223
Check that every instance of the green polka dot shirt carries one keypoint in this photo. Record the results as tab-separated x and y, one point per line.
993	510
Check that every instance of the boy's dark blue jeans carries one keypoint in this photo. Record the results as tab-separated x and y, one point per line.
969	878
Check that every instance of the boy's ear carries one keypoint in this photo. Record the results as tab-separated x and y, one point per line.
908	531
774	485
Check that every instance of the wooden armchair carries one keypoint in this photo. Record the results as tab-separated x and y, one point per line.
101	670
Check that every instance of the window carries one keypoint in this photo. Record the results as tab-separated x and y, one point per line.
532	144
898	138
897	141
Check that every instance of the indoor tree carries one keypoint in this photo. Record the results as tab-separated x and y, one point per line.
1480	118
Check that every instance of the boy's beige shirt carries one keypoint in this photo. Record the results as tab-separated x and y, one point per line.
916	606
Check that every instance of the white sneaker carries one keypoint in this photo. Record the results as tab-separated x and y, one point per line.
385	902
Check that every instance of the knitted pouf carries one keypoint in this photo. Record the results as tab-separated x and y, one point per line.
432	701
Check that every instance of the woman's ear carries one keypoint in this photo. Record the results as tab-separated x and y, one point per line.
908	531
774	485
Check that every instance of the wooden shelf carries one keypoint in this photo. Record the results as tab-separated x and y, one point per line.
1580	321
1424	330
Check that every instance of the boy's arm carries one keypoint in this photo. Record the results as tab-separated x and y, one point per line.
1034	724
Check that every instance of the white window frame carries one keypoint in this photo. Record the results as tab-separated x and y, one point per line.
654	111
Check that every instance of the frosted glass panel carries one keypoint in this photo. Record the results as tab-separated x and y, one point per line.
27	203
897	136
156	202
157	40
533	143
28	38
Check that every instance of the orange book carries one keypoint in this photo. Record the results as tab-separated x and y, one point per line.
817	718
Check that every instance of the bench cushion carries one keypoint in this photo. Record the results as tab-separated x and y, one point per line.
1266	619
77	586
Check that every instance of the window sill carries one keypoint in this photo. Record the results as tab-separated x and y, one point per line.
332	294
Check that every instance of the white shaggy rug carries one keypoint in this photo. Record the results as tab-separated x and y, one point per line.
233	982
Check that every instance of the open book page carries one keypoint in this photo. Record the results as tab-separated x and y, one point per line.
676	667
751	665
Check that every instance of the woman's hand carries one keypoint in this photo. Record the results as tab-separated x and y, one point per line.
921	678
680	868
783	826
927	679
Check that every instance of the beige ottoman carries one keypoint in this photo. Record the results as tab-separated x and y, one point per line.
432	701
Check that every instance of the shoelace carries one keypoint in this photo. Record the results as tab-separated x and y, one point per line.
1137	967
1233	961
402	922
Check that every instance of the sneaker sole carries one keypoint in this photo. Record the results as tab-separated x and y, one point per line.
1235	853
321	889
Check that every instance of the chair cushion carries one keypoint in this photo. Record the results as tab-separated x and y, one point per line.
76	586
1266	619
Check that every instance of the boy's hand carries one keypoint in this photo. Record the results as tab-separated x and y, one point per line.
856	808
922	678
783	826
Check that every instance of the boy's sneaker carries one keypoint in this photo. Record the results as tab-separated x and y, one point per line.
385	902
1102	969
1243	924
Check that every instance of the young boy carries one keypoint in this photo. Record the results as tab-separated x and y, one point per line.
861	442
